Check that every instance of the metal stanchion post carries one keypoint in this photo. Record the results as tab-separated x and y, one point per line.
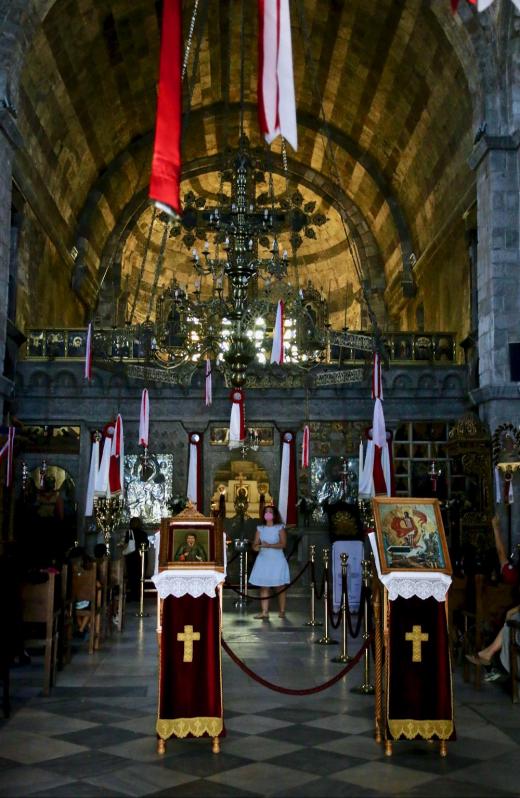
344	655
367	688
313	621
241	544
326	640
142	613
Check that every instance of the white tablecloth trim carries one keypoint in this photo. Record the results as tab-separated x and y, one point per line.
411	584
191	582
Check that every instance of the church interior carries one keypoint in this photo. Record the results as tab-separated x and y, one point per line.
328	325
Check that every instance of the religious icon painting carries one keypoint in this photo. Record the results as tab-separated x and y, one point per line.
410	535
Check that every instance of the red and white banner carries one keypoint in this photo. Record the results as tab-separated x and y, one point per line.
166	162
276	98
7	452
92	475
237	421
375	473
144	419
277	349
287	491
306	446
88	354
377	382
109	480
481	4
194	489
208	383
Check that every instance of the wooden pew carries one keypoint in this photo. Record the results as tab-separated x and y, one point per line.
40	614
117	580
85	588
66	617
514	654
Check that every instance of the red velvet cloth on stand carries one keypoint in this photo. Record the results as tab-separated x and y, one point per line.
419	694
190	693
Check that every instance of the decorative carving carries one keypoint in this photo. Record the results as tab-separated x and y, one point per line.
469	426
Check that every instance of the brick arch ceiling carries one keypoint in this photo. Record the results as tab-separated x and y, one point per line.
390	83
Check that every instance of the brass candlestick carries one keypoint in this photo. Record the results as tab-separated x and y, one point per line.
142	613
107	512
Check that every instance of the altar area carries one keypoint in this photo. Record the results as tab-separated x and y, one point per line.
242	484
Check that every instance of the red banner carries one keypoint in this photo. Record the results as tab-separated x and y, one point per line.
166	162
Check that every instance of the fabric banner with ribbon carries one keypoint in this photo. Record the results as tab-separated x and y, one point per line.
88	353
6	452
419	686
190	670
287	493
194	489
306	443
276	97
208	383
237	421
277	351
109	480
166	161
144	419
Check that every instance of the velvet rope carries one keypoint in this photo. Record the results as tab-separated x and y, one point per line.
271	595
287	690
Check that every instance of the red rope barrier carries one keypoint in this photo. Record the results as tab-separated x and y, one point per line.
288	690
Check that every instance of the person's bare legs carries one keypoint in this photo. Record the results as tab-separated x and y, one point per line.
264	595
281	600
493	648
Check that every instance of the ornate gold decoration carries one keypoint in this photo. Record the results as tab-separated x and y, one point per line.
506	447
469	426
343	523
181	727
416	637
187	637
443	729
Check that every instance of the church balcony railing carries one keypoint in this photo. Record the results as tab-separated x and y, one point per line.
123	344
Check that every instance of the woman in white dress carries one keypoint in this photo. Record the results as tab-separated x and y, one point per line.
270	569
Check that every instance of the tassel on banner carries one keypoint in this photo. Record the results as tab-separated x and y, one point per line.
277	353
306	446
208	383
88	354
237	422
144	419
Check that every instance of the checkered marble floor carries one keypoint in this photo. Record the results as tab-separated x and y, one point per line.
94	736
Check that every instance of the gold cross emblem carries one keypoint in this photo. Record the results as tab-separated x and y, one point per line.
416	637
187	637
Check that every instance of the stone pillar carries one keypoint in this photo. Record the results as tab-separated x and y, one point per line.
9	140
496	161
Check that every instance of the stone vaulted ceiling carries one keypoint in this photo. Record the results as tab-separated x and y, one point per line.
383	72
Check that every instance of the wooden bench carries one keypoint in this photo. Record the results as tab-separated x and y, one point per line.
117	581
66	617
85	588
40	615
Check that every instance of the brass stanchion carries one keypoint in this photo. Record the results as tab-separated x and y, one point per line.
378	628
366	688
142	613
326	640
313	621
344	655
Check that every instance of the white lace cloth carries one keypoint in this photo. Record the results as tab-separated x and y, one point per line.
191	581
411	584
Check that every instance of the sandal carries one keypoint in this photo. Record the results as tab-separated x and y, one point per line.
261	617
281	614
475	659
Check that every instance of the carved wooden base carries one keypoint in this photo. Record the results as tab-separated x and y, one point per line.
161	746
443	748
388	748
215	747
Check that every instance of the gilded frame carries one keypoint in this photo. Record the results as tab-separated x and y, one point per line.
410	535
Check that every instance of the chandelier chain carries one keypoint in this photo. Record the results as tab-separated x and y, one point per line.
158	266
143	263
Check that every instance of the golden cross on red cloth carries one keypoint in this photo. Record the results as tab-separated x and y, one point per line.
417	637
187	637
